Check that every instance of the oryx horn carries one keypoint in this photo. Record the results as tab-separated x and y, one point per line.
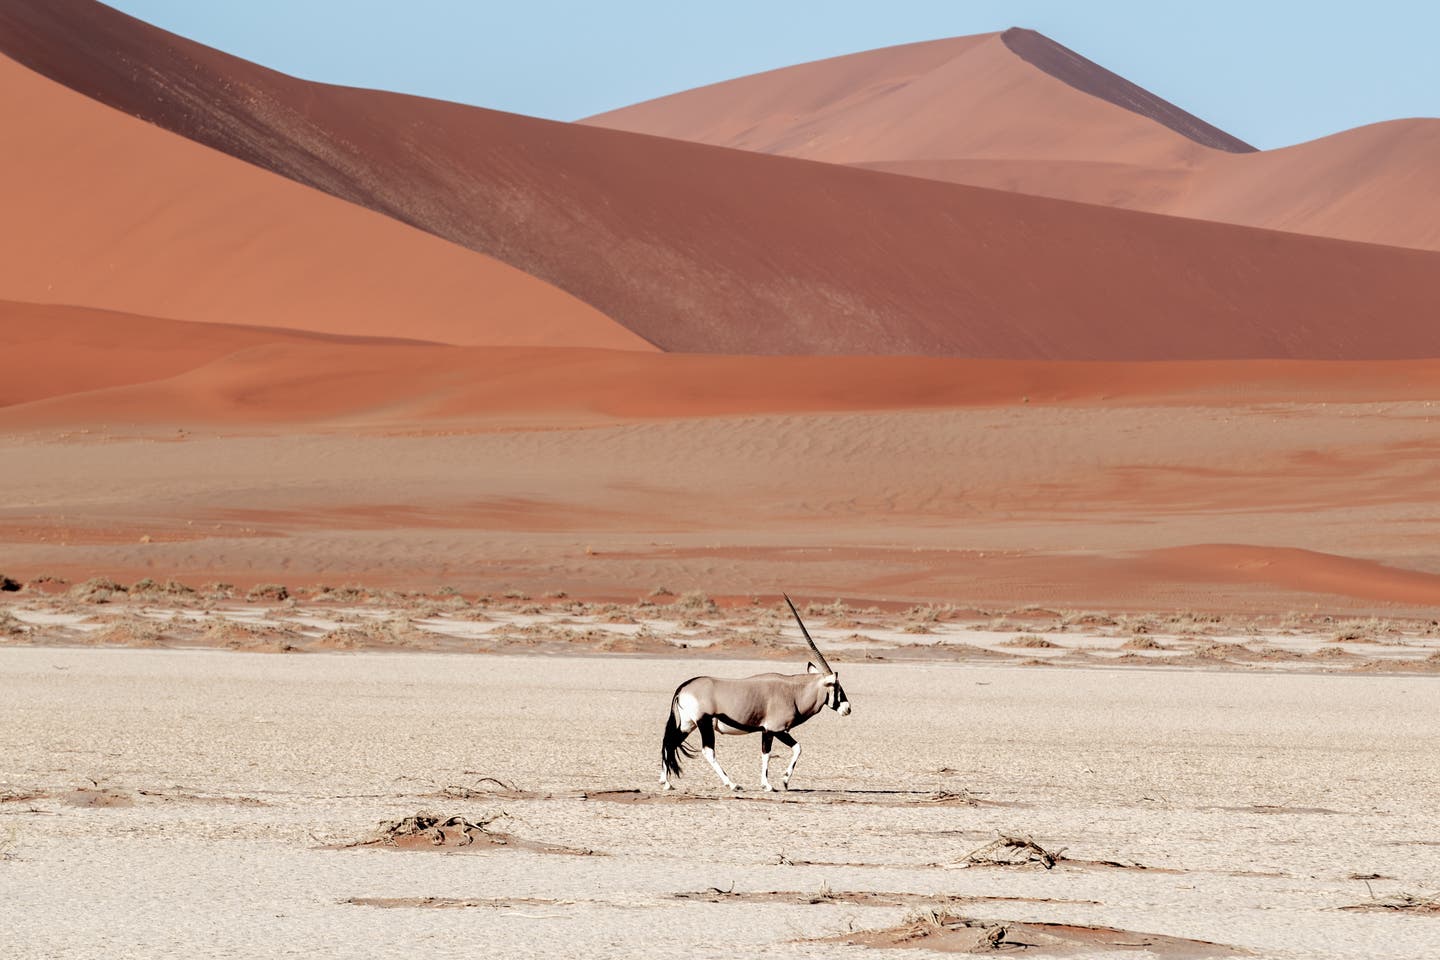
818	655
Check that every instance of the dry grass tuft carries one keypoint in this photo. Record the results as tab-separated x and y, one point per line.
273	592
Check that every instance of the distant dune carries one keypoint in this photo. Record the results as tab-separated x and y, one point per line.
1017	111
78	366
1011	96
703	249
107	211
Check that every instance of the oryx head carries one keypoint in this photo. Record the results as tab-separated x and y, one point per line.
835	697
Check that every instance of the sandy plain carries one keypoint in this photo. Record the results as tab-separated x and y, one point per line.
1196	503
181	803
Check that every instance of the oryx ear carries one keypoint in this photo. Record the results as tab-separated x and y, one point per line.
811	668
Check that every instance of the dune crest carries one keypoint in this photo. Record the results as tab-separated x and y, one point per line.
1019	112
1007	96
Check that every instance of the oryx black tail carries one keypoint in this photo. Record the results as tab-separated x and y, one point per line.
673	744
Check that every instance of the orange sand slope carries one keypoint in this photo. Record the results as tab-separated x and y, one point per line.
103	210
76	367
51	351
1016	111
701	249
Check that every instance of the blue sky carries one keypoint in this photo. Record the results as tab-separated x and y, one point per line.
1272	72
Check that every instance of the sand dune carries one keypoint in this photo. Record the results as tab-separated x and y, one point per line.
78	367
702	249
1373	184
1011	96
52	351
1292	569
1018	112
106	211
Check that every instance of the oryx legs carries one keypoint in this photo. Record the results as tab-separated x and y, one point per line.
767	739
794	746
707	747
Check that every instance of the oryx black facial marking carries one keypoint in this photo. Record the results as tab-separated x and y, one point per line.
770	704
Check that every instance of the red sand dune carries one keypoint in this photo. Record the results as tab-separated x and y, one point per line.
1018	112
51	351
702	249
82	367
106	211
1011	96
1292	569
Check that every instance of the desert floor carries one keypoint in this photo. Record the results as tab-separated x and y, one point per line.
179	803
1211	503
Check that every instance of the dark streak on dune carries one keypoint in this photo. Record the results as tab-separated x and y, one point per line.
702	249
1066	65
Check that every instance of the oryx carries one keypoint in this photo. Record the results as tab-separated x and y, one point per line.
769	704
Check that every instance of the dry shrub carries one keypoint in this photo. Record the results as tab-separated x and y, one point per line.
1087	619
97	590
696	602
9	584
1137	626
218	591
1010	851
927	614
614	613
430	829
254	637
128	632
1029	641
394	632
349	594
11	625
1333	653
274	592
1143	643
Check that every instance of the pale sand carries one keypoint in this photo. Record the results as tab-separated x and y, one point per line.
1156	767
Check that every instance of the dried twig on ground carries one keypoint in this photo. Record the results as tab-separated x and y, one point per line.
1407	902
1008	851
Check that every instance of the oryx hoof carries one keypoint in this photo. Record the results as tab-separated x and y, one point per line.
666	786
736	787
767	788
